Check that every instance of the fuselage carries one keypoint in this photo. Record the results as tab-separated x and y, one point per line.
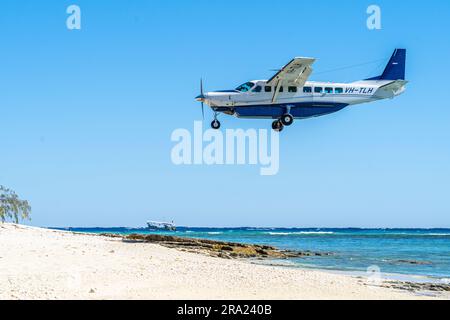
256	99
288	95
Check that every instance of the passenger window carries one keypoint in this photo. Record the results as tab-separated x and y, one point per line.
328	90
267	89
281	89
292	89
307	89
257	89
339	90
318	89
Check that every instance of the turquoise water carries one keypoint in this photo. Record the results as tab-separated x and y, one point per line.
423	252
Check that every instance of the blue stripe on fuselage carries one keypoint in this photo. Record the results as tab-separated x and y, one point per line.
275	111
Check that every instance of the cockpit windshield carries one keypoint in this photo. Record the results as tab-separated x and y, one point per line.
245	87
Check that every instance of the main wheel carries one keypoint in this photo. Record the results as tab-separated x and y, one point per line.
277	126
287	119
215	125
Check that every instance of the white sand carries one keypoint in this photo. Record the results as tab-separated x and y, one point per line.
45	264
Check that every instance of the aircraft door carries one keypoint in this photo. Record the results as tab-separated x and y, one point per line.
259	94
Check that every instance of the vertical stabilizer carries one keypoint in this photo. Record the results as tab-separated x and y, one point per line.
395	70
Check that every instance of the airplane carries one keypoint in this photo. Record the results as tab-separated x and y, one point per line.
288	95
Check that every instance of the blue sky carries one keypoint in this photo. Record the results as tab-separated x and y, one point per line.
86	116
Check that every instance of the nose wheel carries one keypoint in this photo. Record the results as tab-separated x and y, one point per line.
215	124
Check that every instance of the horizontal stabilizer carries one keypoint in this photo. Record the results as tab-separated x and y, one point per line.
391	89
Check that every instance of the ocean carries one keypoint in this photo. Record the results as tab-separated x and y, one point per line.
418	252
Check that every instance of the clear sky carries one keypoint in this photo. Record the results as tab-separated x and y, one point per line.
87	115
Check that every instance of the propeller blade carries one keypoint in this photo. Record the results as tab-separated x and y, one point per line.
201	93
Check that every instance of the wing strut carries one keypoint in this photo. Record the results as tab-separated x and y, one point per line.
276	91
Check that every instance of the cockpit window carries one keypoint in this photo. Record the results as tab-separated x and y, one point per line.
257	89
245	87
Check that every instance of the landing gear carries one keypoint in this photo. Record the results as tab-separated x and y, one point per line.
277	126
287	119
215	124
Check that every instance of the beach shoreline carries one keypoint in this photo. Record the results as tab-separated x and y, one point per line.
38	263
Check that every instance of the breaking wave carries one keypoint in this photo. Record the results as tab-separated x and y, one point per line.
299	233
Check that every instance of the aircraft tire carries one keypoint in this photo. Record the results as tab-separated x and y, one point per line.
215	125
277	126
287	119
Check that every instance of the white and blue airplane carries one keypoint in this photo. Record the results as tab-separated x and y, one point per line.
288	95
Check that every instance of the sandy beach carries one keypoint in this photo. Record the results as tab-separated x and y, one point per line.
46	264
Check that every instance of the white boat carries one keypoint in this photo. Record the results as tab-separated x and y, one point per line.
155	225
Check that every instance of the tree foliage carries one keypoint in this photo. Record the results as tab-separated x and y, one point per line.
11	207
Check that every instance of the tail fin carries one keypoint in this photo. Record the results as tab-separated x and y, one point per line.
395	70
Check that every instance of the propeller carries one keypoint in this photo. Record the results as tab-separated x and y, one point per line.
201	98
201	93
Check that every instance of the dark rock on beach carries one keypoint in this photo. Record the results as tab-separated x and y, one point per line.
413	286
416	262
220	249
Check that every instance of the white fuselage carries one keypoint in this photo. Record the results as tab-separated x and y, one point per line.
288	95
314	93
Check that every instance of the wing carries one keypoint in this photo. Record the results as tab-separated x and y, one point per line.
295	72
